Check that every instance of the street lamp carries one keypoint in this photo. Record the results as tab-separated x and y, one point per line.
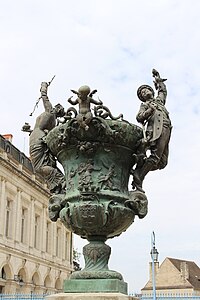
21	283
154	257
19	279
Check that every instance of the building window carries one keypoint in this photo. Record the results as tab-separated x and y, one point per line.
8	219
58	242
48	235
8	149
23	225
37	228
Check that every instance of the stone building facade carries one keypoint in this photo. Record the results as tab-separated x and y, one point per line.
35	253
174	277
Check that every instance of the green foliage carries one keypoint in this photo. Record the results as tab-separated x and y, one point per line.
76	259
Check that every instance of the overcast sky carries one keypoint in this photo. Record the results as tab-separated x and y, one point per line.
112	46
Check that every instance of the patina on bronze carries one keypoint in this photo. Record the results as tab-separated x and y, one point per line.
99	153
43	161
156	123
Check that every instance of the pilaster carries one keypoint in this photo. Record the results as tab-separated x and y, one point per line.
2	204
17	216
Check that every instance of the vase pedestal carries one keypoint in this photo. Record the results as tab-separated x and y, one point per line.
97	204
90	296
95	286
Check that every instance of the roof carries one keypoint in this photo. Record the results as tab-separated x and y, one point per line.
194	271
185	268
15	153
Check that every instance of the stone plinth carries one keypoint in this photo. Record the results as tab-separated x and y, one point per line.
89	296
95	286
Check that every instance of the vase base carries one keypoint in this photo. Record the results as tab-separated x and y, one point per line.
95	286
105	274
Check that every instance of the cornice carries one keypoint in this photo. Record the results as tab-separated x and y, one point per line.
11	167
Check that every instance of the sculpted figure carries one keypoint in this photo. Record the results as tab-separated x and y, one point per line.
84	100
42	159
154	116
106	181
137	202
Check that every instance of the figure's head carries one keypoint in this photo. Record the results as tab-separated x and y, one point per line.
59	110
84	90
145	92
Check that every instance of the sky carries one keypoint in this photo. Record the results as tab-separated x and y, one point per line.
112	46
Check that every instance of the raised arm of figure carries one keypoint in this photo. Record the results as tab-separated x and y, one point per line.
47	104
160	86
98	102
72	102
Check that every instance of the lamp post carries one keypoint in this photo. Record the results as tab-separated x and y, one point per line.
19	280
154	257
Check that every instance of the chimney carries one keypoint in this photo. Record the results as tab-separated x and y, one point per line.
184	270
156	268
8	137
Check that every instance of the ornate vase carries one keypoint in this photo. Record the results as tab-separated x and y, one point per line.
98	205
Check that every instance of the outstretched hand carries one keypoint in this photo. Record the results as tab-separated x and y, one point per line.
157	77
70	98
155	73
